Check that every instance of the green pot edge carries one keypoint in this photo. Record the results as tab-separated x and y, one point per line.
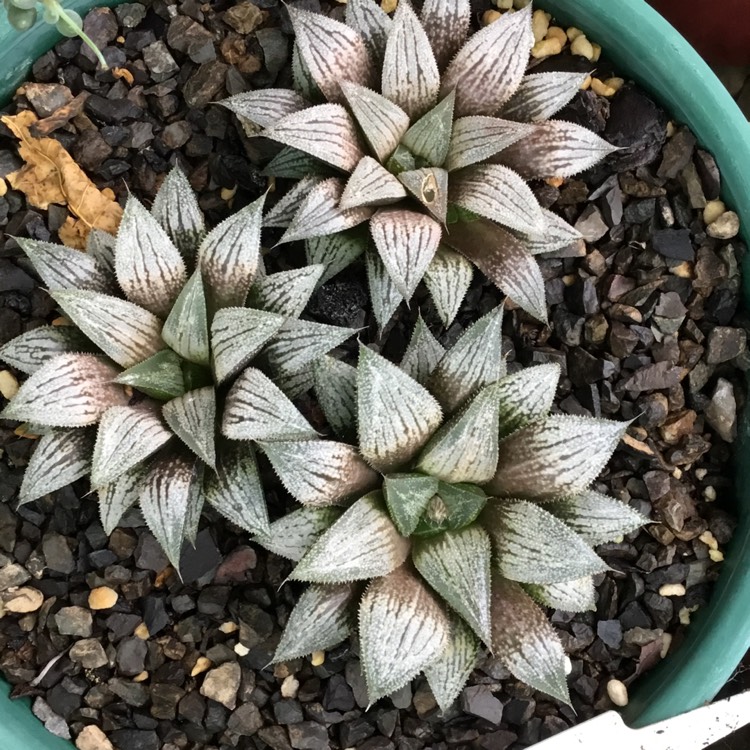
630	31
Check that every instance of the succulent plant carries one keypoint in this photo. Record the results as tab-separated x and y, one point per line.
464	502
436	163
158	355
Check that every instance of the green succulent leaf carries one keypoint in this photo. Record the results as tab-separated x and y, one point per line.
294	164
448	674
422	354
596	517
319	472
65	268
195	504
265	107
230	254
186	329
282	213
127	435
454	507
235	488
541	95
159	376
402	629
556	235
71	390
448	278
372	22
430	136
556	457
362	544
457	565
29	351
150	269
302	77
176	209
237	335
287	292
526	396
335	251
59	458
293	534
476	138
446	23
402	160
532	546
256	409
396	415
384	295
116	498
430	187
475	360
100	245
488	69
125	332
371	184
524	640
407	497
192	418
335	384
321	619
570	596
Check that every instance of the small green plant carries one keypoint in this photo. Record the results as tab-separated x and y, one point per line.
464	501
437	162
23	14
161	339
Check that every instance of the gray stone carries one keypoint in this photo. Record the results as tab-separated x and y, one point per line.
275	46
13	575
610	632
133	693
159	61
74	621
89	654
479	701
677	154
245	721
131	656
130	14
655	377
135	739
591	224
149	554
402	698
725	343
721	412
164	700
288	711
53	722
221	684
205	84
519	710
673	243
308	735
57	554
46	98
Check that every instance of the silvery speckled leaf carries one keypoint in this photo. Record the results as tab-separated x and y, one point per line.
302	77
176	208
126	436
410	74
325	131
475	360
320	213
59	458
446	23
265	107
29	351
286	292
335	251
396	415
488	69
429	186
448	674
465	448
294	164
402	629
555	149
371	184
320	472
430	136
571	596
100	245
63	267
237	335
556	235
532	546
407	242
235	488
456	564
195	504
407	496
294	533
382	122
159	376
321	619
422	354
256	409
362	544
192	418
150	269
230	254
384	296
164	499
282	212
525	642
72	390
331	51
372	22
498	194
542	95
448	278
526	396
117	497
596	517
186	328
294	384
557	457
476	138
125	332
335	384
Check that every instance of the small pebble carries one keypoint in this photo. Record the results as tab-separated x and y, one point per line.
142	632
725	227
504	4
490	16
582	46
289	687
716	555
141	677
713	210
615	83
241	650
229	627
709	493
8	383
546	47
597	52
568	665
709	540
601	88
666	642
555	32
672	589
92	738
102	597
317	658
539	24
617	692
201	665
3	187
23	600
573	33
89	653
221	684
389	5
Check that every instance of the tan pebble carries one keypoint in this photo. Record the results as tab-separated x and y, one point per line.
709	540
120	40
555	32
555	181
684	614
573	33
281	670
586	85
684	270
142	632
615	83
28	622
25	599
700	474
539	25
597	52
241	650
672	589
490	16
582	47
716	555
92	738
3	187
713	210
289	687
601	88
8	384
666	642
229	627
504	4
141	677
726	227
228	193
677	473
61	321
317	658
546	47
709	493
102	597
163	577
671	129
617	692
569	279
389	5
202	664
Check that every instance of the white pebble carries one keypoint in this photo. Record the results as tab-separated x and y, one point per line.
573	33
617	692
709	540
317	658
709	493
666	642
582	47
241	650
672	589
568	665
8	384
289	687
713	210
725	227
700	474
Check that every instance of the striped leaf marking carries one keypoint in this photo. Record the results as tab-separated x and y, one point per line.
192	417
194	504
372	22
422	354
448	278
362	544
125	332
176	209
265	107
294	533
571	596
407	496
476	138
294	164
159	376
29	351
294	384
186	329
384	296
282	213
335	251
72	390
371	185
446	23
429	186
455	506
302	77
100	245
430	136
541	95
526	396
116	498
556	235
335	385
320	472
286	292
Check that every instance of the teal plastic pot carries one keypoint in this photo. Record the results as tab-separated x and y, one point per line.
649	50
